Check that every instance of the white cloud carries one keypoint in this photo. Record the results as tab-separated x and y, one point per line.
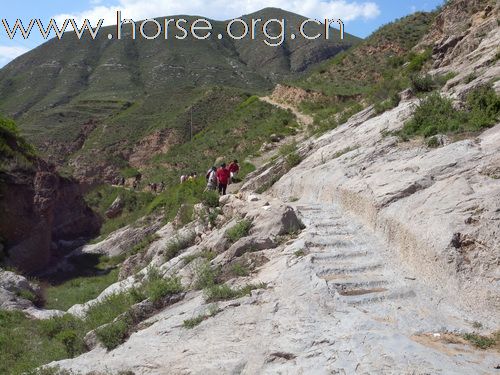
8	53
220	10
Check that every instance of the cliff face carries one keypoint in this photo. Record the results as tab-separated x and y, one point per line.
39	208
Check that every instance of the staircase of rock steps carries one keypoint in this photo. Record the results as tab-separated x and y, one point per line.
350	259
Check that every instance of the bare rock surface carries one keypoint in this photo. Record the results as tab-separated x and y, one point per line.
18	293
346	305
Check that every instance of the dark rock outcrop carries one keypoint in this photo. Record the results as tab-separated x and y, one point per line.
40	208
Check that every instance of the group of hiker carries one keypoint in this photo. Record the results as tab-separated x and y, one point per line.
220	178
189	177
217	179
157	187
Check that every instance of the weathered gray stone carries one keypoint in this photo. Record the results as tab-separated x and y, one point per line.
115	209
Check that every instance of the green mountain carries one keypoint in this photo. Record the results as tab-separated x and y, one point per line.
372	72
99	106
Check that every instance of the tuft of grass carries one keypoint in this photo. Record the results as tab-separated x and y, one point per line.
471	77
208	255
433	142
27	294
206	276
176	245
193	322
239	230
477	325
387	104
239	269
114	333
158	288
344	151
417	60
224	292
479	341
422	83
107	310
292	160
267	185
299	253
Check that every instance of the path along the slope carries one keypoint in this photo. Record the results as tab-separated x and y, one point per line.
303	119
304	122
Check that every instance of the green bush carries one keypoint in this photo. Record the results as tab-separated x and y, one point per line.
206	276
107	310
387	104
287	149
185	213
27	344
158	287
349	112
250	100
479	341
292	159
417	61
299	253
177	244
484	105
436	115
72	341
212	216
239	230
422	83
471	77
115	333
210	199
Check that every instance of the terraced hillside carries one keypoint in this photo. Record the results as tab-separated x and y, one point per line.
76	100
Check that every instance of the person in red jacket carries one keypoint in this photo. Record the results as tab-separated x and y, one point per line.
223	176
234	168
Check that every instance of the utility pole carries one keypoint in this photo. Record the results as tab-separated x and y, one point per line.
191	128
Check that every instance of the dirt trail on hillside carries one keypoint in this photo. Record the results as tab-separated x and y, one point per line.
303	119
304	122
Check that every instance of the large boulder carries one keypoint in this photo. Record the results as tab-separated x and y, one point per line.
16	292
115	209
123	239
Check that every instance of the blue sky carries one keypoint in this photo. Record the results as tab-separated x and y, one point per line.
361	17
